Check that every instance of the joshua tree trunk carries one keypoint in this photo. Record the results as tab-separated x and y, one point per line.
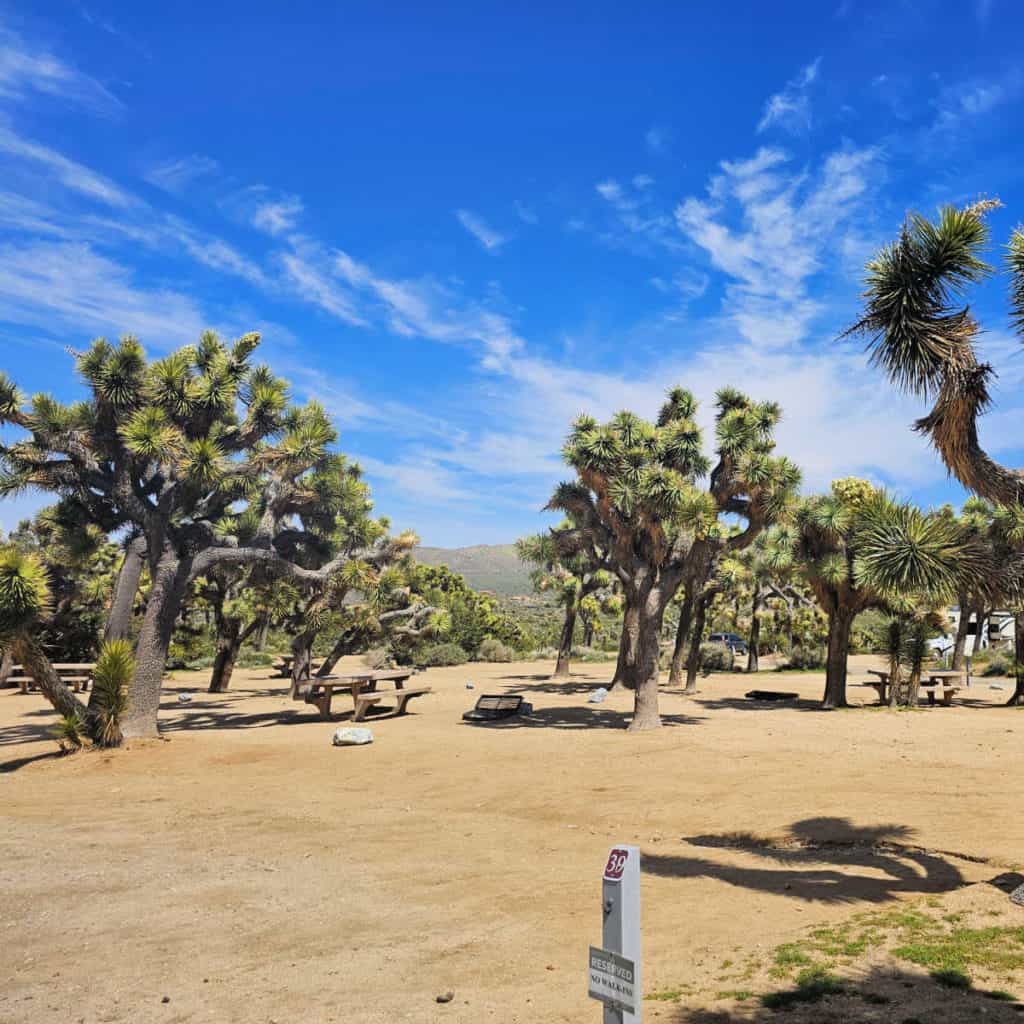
960	642
35	662
1018	658
755	630
170	582
302	660
120	618
588	632
6	665
229	642
625	668
565	642
261	633
681	648
696	636
338	651
840	623
645	701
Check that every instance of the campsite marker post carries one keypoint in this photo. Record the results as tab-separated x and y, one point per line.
613	972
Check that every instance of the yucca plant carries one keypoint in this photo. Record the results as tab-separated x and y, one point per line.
915	653
69	732
895	635
113	673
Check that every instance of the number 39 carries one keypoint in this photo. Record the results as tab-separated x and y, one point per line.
616	864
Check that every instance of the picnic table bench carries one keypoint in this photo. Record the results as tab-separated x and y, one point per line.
283	666
363	687
949	681
78	673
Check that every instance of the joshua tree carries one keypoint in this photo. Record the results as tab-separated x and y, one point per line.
925	340
576	574
173	449
635	497
860	550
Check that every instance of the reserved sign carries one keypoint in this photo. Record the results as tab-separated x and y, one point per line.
612	979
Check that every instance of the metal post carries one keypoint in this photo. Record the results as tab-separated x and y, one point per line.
619	984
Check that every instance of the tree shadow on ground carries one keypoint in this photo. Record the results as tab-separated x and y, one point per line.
568	687
749	704
20	762
889	994
578	718
816	861
28	732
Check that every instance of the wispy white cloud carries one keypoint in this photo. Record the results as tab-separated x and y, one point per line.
790	109
657	139
70	288
487	236
769	230
27	70
525	213
963	103
69	173
176	175
278	216
321	288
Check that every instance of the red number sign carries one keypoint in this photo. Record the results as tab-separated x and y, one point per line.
616	865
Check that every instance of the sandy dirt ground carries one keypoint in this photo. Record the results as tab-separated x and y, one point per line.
243	869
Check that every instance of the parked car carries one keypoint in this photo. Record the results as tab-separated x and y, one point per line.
941	645
735	643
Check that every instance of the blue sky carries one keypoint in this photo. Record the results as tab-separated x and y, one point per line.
460	226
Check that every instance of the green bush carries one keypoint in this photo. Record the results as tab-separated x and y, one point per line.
806	657
377	657
494	650
434	655
254	659
716	658
998	663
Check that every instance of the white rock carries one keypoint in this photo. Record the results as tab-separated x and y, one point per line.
351	737
184	698
597	696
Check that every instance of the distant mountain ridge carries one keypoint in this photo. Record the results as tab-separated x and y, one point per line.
486	566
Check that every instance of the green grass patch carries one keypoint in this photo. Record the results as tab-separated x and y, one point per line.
812	985
991	949
669	995
739	994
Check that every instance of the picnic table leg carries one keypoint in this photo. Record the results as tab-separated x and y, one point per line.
323	702
931	696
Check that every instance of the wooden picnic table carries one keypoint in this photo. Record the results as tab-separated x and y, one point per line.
938	679
363	687
284	666
78	673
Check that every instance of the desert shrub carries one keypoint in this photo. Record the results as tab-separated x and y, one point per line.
494	650
716	658
806	656
433	655
998	663
114	669
377	657
69	733
254	659
198	664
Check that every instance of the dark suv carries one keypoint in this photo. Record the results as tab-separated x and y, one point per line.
735	643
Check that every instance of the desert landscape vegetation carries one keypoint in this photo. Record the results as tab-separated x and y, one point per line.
511	513
747	681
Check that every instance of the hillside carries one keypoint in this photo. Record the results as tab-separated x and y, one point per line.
486	566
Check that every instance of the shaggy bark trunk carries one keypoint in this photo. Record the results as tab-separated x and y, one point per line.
645	700
338	651
839	625
588	633
36	664
1018	657
6	666
755	630
696	636
302	659
170	582
229	643
119	620
625	668
960	643
262	632
681	648
565	643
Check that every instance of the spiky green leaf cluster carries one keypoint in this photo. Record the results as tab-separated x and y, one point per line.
24	590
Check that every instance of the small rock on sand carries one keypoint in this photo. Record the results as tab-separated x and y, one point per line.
351	737
446	997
